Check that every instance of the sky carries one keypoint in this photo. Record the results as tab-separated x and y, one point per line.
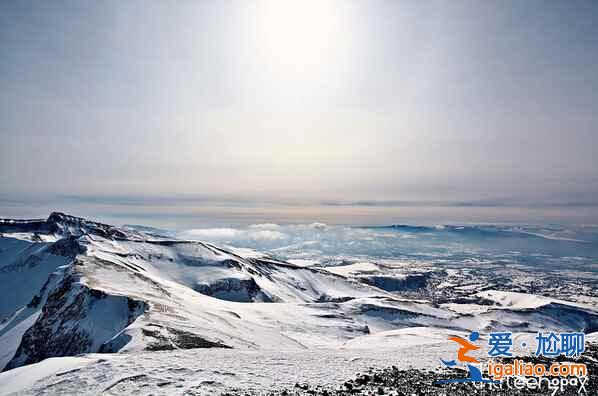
344	110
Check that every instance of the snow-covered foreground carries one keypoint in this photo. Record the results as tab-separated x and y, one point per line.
204	371
214	371
87	306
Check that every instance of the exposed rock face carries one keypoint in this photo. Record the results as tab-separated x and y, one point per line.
73	315
63	225
74	286
167	338
97	288
234	289
75	319
67	247
392	283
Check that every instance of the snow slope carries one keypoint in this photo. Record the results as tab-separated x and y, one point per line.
72	286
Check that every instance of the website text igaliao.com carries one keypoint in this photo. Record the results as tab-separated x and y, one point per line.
520	368
553	377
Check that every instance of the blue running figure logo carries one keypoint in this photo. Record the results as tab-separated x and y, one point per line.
475	375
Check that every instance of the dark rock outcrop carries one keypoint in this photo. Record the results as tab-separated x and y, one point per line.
75	319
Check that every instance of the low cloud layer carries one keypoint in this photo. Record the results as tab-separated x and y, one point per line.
325	244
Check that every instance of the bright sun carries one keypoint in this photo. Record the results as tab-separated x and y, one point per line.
298	35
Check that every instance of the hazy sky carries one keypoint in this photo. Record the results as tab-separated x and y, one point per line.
369	102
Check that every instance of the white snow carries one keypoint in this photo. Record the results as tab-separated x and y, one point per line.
406	337
514	300
354	269
25	267
209	371
320	323
22	378
12	331
303	262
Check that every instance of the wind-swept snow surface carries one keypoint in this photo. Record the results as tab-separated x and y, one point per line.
72	286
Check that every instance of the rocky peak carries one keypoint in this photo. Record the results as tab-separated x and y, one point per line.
67	225
63	225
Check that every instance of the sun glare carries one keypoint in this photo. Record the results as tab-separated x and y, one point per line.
298	35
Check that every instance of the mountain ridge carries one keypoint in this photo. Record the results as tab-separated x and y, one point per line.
77	286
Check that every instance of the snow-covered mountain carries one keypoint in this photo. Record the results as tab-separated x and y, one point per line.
70	286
